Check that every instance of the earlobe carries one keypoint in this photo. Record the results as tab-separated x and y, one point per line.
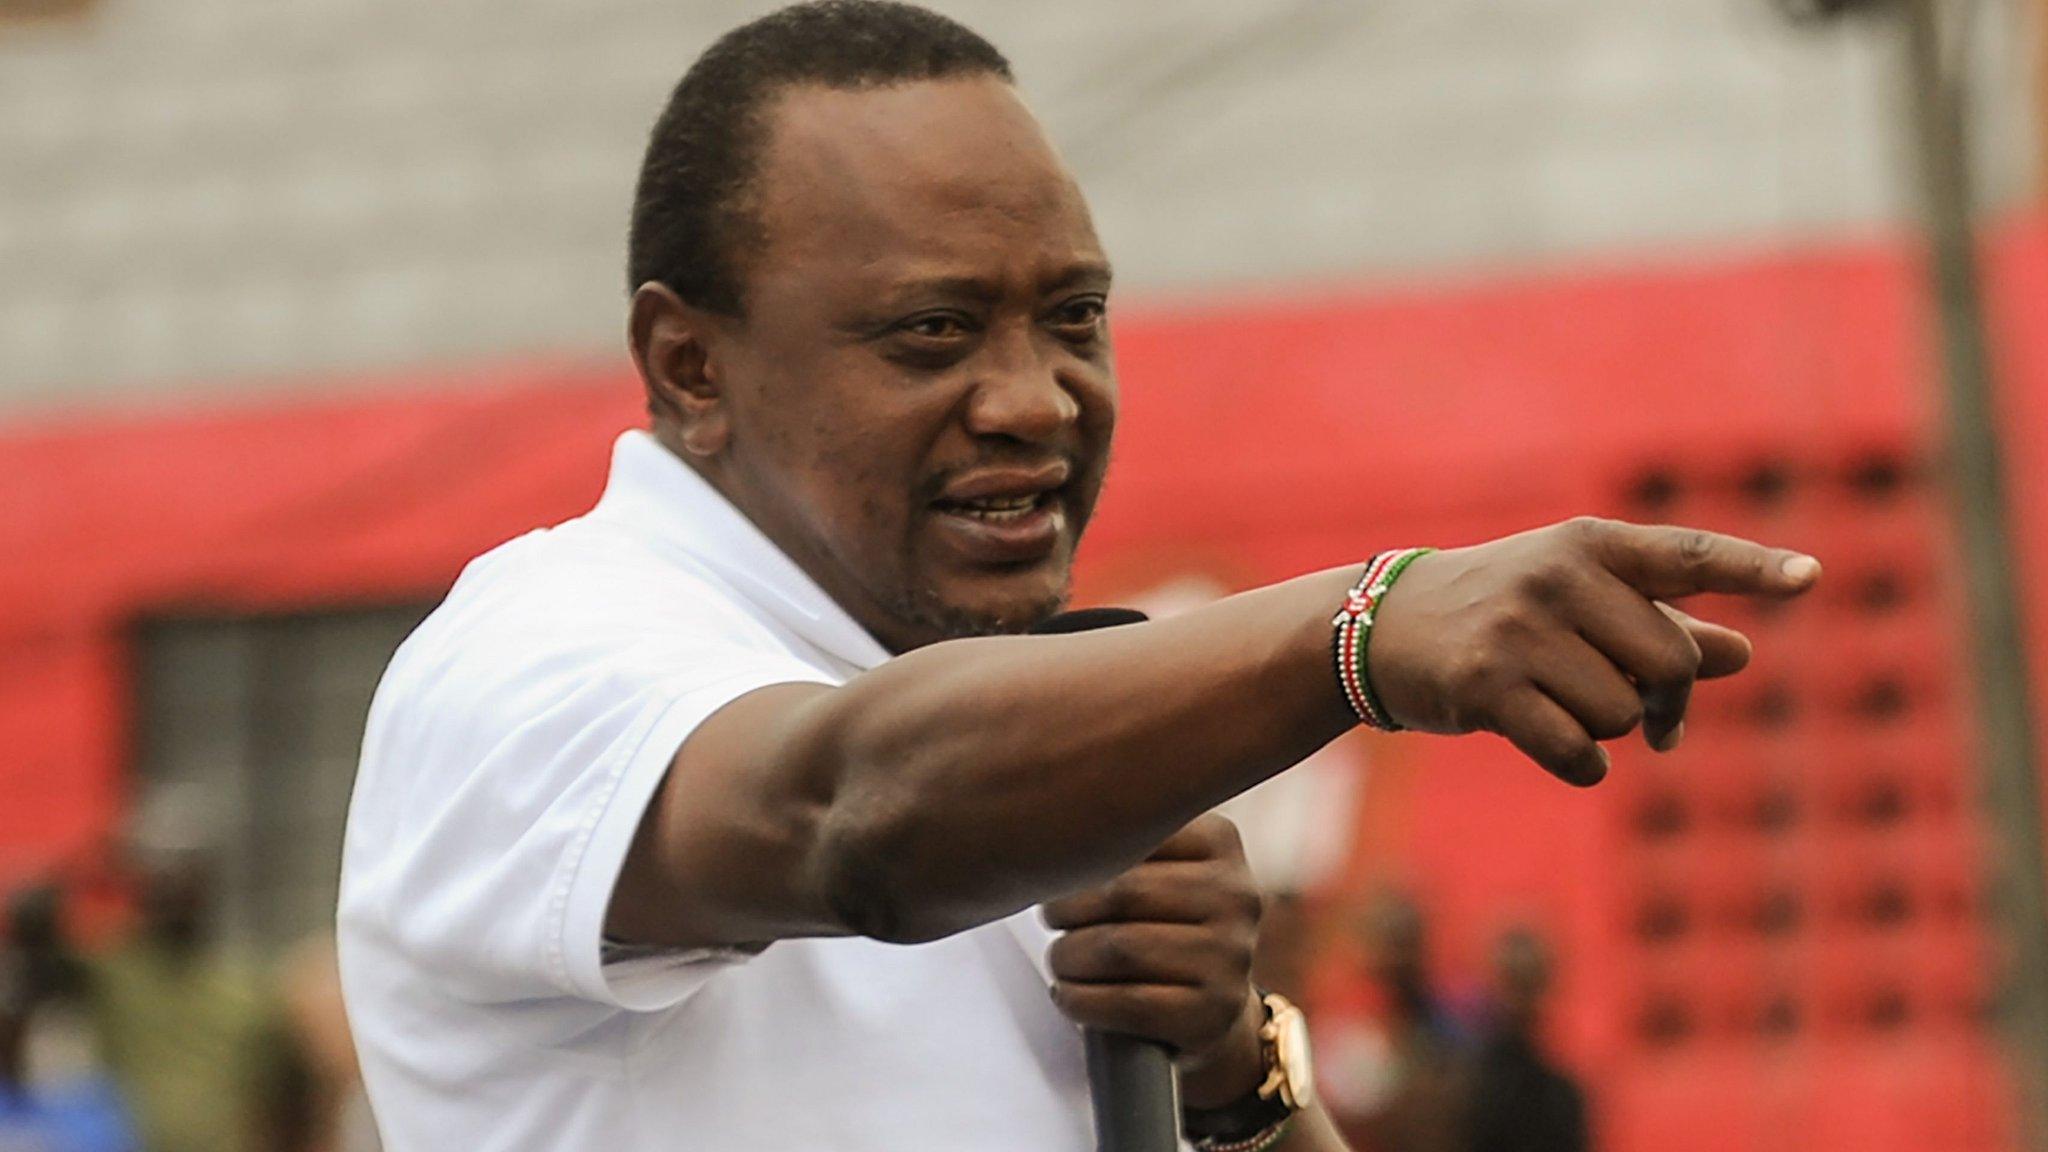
667	339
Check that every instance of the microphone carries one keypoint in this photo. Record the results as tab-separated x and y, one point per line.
1131	1081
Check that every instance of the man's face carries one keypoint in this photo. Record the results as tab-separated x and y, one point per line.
920	396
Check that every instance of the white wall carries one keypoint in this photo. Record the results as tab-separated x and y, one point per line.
236	195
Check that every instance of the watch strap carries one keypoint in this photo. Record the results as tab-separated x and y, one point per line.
1241	1119
1248	1117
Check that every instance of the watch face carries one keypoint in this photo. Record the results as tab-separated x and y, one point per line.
1290	1048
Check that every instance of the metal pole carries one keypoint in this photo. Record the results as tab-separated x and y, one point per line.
1937	94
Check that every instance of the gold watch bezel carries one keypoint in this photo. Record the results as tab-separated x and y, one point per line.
1290	1065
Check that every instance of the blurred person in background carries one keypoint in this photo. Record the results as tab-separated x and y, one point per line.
53	1096
188	1029
1400	1073
1521	1101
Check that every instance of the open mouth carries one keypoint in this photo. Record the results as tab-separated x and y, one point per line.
1002	530
997	509
1003	515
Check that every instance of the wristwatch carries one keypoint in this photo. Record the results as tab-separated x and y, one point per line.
1289	1086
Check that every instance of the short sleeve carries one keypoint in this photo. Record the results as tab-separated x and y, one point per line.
513	747
640	980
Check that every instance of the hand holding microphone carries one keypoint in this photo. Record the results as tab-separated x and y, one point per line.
1164	953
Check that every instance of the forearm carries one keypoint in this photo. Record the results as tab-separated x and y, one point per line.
973	778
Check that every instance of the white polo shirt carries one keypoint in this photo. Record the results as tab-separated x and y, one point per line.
512	746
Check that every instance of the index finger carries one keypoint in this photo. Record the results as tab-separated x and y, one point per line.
1664	562
1171	892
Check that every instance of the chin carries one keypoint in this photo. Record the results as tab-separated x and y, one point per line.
1017	603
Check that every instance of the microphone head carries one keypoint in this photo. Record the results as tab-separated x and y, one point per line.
1088	620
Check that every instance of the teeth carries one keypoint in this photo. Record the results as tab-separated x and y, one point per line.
998	509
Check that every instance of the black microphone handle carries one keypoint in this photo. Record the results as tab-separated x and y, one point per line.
1136	1093
1131	1081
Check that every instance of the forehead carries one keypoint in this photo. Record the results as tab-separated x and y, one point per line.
931	172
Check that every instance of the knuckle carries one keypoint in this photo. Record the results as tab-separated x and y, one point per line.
1114	949
1060	956
1237	903
1677	660
1118	901
1511	625
1220	835
1474	672
1551	579
1240	957
1581	525
1616	719
1696	549
1063	911
1585	530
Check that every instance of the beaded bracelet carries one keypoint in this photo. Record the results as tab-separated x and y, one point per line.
1353	624
1258	1142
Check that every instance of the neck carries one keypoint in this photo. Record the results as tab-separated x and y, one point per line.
780	525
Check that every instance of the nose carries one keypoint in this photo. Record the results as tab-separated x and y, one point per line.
1021	396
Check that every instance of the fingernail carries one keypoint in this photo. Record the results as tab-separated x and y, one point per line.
1800	568
1673	738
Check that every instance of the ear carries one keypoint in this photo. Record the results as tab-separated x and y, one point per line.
670	347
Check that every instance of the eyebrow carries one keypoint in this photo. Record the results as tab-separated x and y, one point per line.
969	287
1093	272
983	291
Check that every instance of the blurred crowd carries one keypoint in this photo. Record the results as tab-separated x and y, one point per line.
1407	1066
165	1039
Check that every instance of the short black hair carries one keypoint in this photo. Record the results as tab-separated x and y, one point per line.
691	213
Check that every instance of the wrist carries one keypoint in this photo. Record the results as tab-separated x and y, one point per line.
1310	647
1233	1067
1352	649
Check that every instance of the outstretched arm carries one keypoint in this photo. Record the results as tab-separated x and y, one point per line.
966	780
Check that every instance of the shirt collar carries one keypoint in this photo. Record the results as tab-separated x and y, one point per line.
653	491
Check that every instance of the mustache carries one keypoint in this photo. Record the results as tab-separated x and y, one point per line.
1080	467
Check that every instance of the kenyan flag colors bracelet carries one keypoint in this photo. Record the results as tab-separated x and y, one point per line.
1353	625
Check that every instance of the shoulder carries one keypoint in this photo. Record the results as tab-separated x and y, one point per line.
564	632
583	572
585	589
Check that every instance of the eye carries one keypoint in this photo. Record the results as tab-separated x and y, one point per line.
1080	318
935	326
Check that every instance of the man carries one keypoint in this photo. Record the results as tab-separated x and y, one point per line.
1520	1100
1400	1079
52	1098
188	1031
715	818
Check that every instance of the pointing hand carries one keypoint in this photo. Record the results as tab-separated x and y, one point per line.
1560	638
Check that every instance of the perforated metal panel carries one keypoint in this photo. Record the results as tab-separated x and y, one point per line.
1799	888
261	720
